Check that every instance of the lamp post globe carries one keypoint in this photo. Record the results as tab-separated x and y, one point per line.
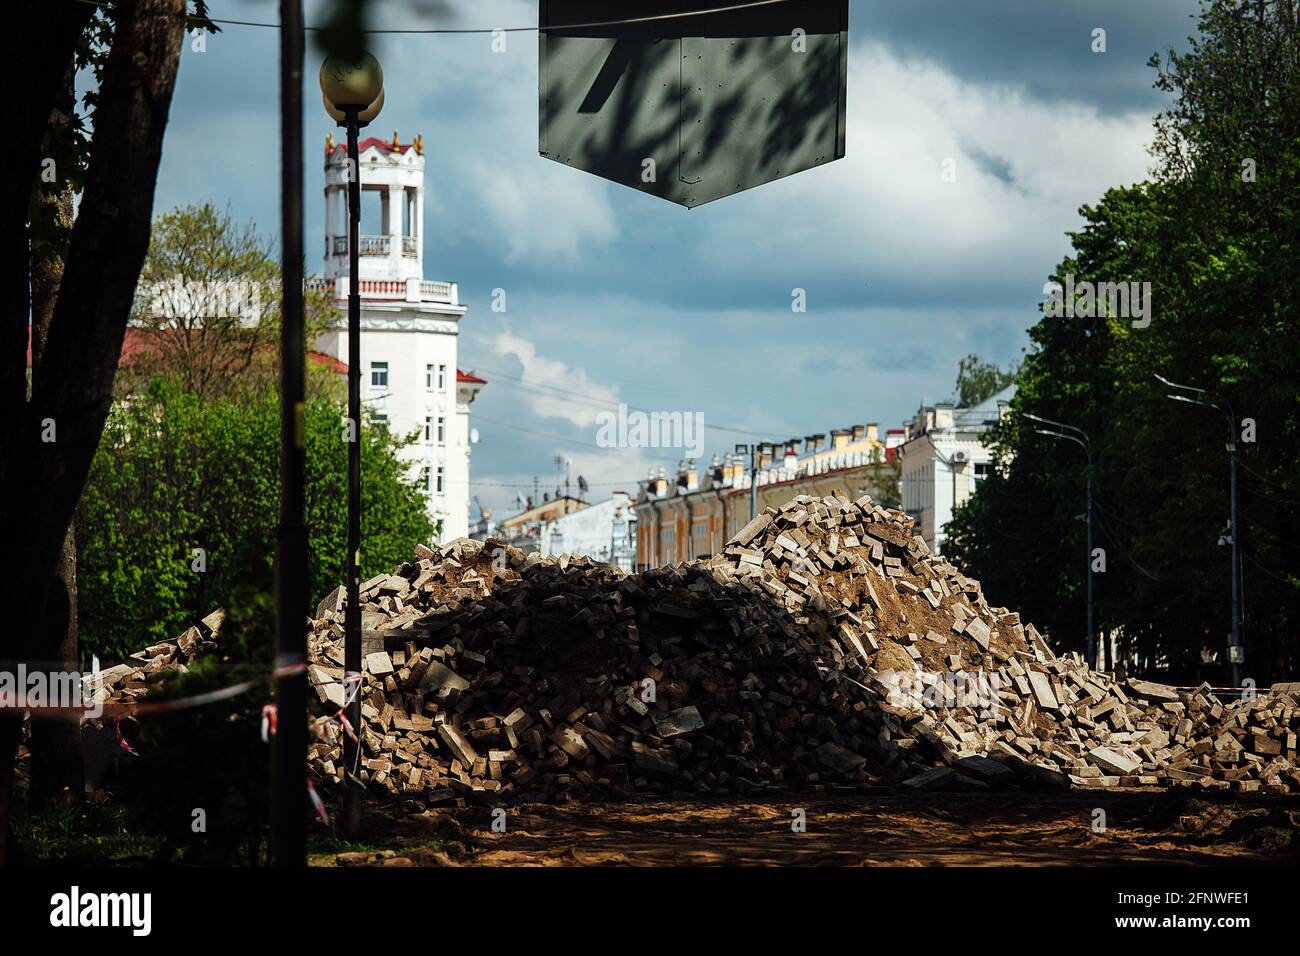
351	85
363	117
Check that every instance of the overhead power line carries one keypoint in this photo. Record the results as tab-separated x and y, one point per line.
1128	557
590	24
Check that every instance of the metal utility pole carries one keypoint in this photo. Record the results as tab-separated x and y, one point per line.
1236	647
758	455
1080	438
289	747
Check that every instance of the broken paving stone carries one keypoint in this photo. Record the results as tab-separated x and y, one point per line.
945	778
1148	690
991	771
1042	688
979	631
679	722
1116	763
840	759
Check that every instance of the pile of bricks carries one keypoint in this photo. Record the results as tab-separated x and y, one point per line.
825	648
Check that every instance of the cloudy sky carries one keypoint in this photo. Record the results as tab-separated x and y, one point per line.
616	296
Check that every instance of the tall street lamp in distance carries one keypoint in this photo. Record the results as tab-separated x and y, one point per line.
761	454
1080	438
353	94
1197	396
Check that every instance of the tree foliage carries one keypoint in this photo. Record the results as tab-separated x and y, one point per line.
208	307
182	482
1215	233
978	380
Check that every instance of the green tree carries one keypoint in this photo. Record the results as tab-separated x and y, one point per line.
208	306
1215	233
978	380
183	488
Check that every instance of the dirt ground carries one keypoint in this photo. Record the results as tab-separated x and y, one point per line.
885	829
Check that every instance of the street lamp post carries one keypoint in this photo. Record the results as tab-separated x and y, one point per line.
1236	649
353	95
1080	438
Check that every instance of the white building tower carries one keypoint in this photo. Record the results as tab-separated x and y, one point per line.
409	324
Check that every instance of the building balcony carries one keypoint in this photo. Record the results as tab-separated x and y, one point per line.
368	245
409	247
394	290
373	245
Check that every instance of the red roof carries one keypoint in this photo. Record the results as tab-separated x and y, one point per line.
335	365
469	377
375	141
136	341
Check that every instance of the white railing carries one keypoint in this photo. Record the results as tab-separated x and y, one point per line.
425	290
373	246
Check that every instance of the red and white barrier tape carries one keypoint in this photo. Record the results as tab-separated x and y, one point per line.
268	722
318	803
121	741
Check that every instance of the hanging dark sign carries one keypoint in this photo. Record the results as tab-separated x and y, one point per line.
692	106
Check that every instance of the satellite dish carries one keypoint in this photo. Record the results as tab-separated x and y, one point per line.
473	436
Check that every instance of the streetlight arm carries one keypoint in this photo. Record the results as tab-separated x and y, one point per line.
1186	388
1055	424
1082	444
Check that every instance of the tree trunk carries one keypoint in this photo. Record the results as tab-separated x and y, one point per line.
72	388
57	772
38	42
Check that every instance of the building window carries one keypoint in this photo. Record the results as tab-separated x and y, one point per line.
381	420
378	374
428	377
428	429
441	484
442	377
442	430
982	470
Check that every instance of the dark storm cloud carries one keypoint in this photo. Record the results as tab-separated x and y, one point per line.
1043	46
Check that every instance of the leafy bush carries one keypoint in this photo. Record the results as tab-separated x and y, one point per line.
184	487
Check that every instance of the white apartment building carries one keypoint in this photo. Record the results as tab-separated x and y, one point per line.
943	460
409	324
605	532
